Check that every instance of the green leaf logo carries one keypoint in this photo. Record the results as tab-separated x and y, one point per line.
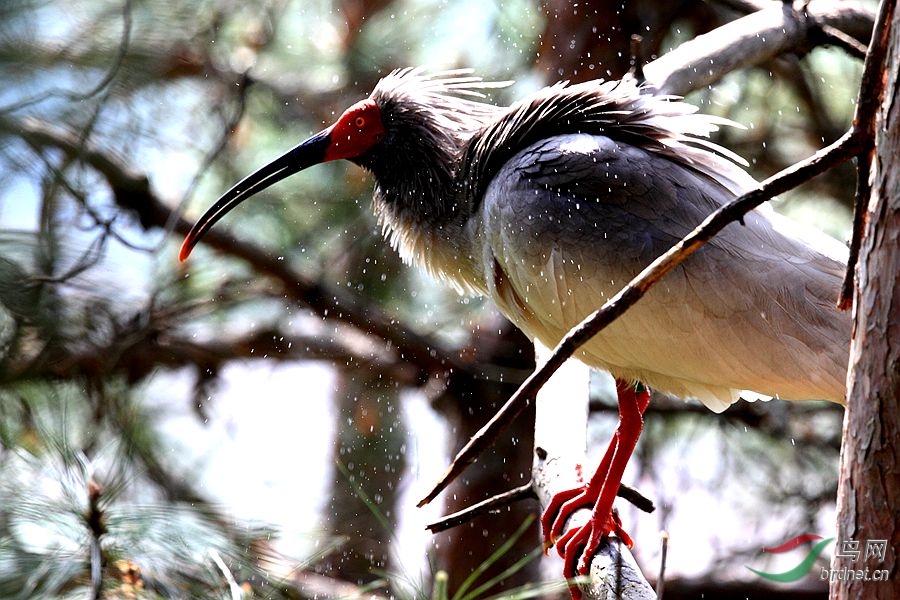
800	570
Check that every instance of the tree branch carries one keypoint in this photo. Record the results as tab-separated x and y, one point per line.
136	349
492	504
754	39
523	492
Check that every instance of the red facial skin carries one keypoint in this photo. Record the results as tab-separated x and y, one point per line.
359	128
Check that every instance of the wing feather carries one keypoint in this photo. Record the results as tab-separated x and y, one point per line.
571	219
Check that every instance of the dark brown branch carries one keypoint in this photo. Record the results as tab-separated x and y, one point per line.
849	44
841	150
860	202
871	92
135	353
523	492
492	504
637	499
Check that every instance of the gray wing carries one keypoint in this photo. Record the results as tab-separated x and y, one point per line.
571	219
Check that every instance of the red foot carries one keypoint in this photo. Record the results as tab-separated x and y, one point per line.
578	545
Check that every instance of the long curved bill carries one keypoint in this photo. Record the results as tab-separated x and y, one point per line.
306	154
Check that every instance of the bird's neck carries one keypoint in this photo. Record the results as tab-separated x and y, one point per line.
422	208
432	228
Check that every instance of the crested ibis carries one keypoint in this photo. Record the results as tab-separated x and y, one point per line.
549	206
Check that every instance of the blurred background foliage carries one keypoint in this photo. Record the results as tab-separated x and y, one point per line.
261	421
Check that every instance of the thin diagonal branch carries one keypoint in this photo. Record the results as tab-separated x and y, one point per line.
843	149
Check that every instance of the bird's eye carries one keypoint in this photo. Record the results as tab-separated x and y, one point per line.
360	122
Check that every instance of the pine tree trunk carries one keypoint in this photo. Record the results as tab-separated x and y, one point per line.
869	490
370	436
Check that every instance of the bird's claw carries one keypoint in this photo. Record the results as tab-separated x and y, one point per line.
558	512
578	545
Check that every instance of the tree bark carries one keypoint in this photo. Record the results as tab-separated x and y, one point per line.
362	504
869	489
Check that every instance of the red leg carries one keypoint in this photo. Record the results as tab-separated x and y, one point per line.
578	545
